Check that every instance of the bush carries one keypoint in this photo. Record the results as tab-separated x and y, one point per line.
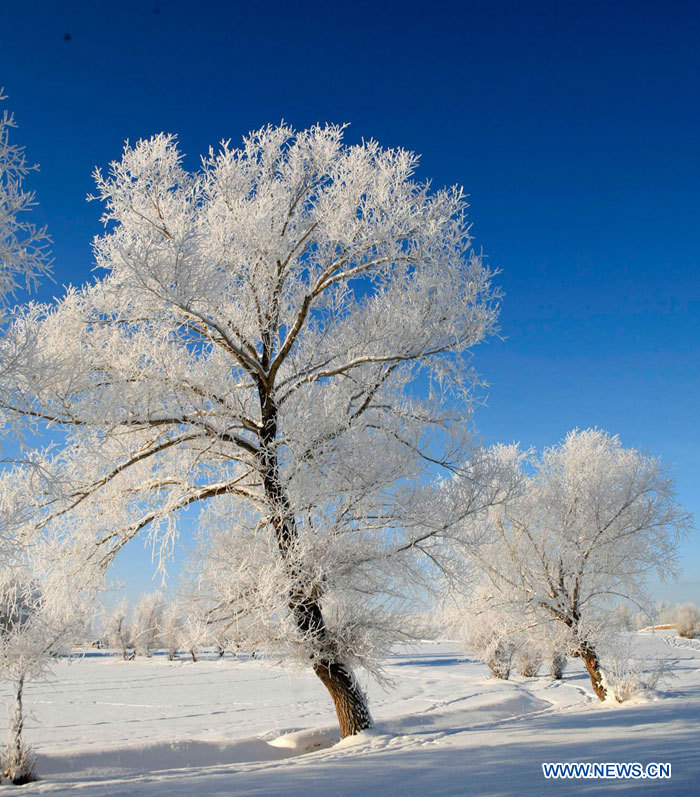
18	763
499	658
484	632
557	665
528	660
686	618
627	676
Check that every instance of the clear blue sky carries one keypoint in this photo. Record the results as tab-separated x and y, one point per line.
572	125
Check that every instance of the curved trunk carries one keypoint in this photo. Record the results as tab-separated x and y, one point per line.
350	702
592	664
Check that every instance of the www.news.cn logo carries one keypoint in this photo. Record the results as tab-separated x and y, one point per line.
609	770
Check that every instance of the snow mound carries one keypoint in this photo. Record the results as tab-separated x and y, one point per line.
306	741
370	736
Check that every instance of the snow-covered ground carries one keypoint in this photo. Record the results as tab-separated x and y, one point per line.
152	727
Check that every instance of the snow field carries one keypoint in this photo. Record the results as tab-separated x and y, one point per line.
104	726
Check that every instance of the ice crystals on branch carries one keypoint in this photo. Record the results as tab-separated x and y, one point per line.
23	246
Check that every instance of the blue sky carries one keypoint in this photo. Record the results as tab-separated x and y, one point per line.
572	125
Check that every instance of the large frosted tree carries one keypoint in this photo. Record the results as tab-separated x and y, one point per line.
283	334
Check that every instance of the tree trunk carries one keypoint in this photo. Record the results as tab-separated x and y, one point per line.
17	722
350	702
18	762
349	699
590	660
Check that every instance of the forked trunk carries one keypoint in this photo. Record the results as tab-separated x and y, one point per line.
592	664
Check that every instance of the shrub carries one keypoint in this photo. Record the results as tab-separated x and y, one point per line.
627	676
686	618
18	763
557	665
528	660
499	658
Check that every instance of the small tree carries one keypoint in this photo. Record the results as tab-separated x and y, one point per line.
557	665
589	524
195	633
169	634
484	631
686	618
528	658
643	619
38	619
24	647
118	630
623	618
147	622
663	613
44	587
627	675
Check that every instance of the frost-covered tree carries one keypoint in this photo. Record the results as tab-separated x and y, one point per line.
118	630
663	613
189	626
23	246
207	599
277	335
592	520
194	634
169	634
686	618
483	629
35	626
146	623
23	653
557	665
528	658
42	599
497	633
